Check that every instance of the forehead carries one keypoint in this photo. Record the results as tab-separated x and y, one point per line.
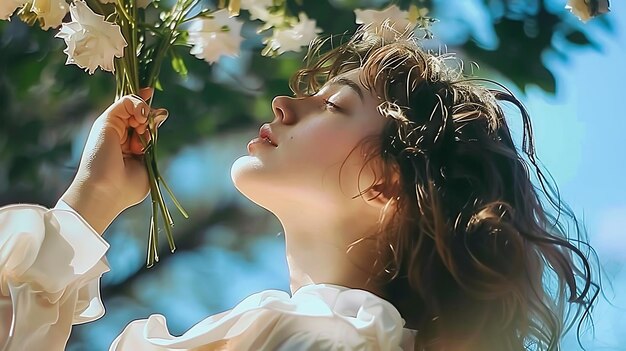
352	79
366	110
352	75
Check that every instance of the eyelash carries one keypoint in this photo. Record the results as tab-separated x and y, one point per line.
333	105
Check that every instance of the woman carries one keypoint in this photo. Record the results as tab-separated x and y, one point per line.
410	220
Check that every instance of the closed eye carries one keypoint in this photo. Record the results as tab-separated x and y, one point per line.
332	105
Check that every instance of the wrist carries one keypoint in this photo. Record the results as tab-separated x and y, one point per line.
93	203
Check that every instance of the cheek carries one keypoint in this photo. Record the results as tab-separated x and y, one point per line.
324	144
330	156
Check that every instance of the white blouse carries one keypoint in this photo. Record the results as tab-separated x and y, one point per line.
51	262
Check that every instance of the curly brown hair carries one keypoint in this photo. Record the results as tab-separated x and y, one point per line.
478	262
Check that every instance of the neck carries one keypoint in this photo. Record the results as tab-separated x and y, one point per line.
318	250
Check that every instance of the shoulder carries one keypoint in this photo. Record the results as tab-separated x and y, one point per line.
324	317
319	317
281	330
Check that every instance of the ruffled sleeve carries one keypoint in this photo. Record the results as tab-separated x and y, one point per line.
317	317
51	261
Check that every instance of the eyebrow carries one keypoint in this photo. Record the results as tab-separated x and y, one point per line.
349	83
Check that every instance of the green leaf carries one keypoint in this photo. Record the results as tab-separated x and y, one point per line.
178	64
182	38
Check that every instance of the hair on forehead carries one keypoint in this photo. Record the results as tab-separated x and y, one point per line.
385	65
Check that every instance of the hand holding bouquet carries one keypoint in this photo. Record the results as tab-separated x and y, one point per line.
132	39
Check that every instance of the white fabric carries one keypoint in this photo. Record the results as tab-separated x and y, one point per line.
51	262
317	317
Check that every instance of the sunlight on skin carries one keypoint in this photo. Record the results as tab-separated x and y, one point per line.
298	181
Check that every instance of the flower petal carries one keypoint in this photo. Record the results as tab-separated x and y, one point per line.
215	37
389	23
91	41
8	7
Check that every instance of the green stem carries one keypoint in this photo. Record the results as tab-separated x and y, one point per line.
199	14
128	77
163	208
177	15
160	178
178	205
150	253
153	236
120	9
135	40
187	7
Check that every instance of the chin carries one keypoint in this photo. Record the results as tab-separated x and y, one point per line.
241	170
248	177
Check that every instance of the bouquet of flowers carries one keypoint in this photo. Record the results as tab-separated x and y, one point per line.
133	38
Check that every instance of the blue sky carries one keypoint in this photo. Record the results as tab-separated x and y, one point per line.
580	138
580	132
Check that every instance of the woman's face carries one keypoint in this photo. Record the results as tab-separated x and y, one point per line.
314	136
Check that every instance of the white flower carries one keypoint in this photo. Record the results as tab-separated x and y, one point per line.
259	10
292	39
586	9
140	3
7	7
388	23
91	41
50	12
214	37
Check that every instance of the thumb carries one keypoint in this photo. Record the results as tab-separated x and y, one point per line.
145	93
160	115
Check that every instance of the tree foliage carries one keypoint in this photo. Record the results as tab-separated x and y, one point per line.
45	102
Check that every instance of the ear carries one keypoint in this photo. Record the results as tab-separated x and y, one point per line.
384	190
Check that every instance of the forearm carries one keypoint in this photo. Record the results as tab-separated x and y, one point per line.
95	205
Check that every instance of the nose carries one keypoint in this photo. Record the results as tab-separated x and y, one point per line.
283	109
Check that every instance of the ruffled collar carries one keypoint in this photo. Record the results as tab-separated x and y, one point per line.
371	318
368	312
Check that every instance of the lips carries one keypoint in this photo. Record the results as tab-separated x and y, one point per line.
265	132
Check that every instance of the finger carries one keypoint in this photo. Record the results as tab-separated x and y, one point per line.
133	122
135	145
142	109
126	145
161	115
159	120
146	93
141	129
120	128
129	106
